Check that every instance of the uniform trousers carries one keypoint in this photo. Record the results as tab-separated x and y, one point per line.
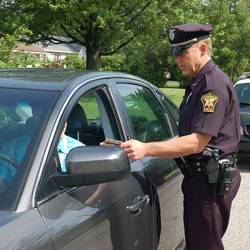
206	216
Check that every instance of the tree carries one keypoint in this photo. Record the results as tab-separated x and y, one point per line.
102	26
150	55
130	35
231	37
7	43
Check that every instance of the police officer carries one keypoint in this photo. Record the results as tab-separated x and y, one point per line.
209	122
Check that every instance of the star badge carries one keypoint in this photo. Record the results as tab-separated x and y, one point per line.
209	102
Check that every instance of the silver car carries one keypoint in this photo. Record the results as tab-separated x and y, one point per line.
102	201
242	88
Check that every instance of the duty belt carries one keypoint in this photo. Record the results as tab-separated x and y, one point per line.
191	167
198	167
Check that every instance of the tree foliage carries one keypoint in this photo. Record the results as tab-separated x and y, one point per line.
130	35
231	36
7	43
102	26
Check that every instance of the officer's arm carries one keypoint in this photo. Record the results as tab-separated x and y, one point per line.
177	147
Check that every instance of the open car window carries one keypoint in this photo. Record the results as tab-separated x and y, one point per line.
91	119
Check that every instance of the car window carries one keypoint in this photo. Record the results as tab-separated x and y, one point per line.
172	109
84	122
6	117
90	121
24	111
23	114
147	117
243	92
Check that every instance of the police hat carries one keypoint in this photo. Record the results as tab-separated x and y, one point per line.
182	37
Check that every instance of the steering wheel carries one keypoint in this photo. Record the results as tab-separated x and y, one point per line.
9	160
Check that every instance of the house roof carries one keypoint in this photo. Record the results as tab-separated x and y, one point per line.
60	48
30	48
64	46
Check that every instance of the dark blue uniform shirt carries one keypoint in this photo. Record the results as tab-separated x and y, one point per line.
210	106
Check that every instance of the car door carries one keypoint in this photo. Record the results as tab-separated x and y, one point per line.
115	215
148	121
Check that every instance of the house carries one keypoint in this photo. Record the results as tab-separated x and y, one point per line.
52	52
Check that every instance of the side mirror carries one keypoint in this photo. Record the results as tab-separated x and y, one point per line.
89	165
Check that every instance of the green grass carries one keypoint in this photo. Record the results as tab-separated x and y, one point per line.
175	94
172	84
90	105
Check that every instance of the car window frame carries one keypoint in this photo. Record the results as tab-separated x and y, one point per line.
173	122
91	86
130	131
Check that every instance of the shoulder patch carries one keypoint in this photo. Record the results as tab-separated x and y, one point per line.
209	102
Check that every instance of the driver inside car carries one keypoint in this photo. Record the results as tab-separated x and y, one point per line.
65	144
11	155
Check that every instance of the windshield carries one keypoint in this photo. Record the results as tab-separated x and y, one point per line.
23	114
243	92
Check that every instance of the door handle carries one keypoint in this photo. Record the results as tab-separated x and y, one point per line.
138	204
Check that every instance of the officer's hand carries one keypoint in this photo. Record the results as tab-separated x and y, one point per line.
135	149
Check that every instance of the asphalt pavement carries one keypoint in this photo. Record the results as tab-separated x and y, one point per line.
237	235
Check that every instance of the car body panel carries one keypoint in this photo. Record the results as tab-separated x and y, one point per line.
153	183
164	175
72	223
24	230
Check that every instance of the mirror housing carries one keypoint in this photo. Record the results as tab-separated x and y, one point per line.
88	165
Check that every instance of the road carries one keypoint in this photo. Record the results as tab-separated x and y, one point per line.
237	235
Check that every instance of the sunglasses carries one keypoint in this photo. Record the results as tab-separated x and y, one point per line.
179	50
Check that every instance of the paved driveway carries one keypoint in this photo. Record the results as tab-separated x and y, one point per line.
237	235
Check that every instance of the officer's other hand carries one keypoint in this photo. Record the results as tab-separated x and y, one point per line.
135	149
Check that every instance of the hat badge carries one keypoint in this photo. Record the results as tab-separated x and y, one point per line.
171	34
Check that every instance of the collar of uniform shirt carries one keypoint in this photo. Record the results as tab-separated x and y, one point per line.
193	85
207	67
188	97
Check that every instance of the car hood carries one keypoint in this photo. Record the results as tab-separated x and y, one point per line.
245	114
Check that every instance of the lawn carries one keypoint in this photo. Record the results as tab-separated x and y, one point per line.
175	94
90	105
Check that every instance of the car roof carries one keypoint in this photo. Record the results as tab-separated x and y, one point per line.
243	81
53	79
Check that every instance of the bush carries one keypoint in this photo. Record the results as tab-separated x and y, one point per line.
24	59
3	65
74	62
113	63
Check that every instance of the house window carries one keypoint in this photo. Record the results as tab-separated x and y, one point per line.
57	57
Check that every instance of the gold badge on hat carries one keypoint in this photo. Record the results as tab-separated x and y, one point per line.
209	102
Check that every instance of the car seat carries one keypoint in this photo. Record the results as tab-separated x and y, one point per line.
79	128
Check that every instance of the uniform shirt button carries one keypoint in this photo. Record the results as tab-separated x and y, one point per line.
199	169
198	164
